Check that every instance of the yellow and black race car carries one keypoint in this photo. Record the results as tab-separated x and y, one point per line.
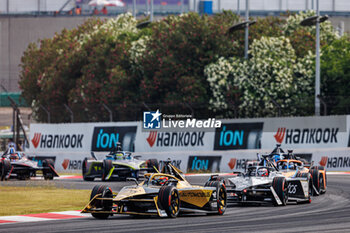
164	194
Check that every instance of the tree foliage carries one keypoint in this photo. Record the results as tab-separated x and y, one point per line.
189	58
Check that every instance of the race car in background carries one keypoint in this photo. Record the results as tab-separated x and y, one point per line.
266	184
289	164
164	194
118	164
16	165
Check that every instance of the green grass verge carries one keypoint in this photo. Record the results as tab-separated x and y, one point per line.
31	200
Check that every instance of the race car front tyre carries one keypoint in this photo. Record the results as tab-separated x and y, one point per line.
151	164
84	171
308	176
170	200
106	168
5	168
279	184
103	205
317	181
221	195
47	172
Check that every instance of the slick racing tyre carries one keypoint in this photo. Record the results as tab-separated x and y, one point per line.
221	195
323	179
307	175
280	185
317	181
106	168
5	168
47	171
151	164
170	200
102	205
85	170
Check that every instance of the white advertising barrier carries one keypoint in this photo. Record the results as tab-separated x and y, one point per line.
306	132
72	162
81	137
179	140
333	159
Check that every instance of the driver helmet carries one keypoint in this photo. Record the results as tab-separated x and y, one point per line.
119	156
262	172
283	165
291	165
12	150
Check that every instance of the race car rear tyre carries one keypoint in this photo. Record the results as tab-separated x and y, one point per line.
151	164
84	171
169	198
106	168
221	195
47	172
280	185
316	181
5	168
103	205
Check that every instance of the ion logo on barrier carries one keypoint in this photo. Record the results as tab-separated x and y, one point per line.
151	120
238	136
204	163
105	138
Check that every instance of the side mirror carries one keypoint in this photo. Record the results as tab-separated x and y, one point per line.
93	155
132	179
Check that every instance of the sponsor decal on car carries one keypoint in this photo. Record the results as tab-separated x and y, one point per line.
205	163
233	136
40	159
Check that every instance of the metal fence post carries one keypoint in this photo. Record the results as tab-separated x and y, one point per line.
70	112
47	113
109	111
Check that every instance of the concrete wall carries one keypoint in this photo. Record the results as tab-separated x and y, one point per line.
17	32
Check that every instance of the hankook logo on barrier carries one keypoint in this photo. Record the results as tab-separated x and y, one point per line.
306	135
203	163
72	164
238	136
336	162
57	140
175	139
105	138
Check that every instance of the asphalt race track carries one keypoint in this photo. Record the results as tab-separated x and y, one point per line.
326	213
